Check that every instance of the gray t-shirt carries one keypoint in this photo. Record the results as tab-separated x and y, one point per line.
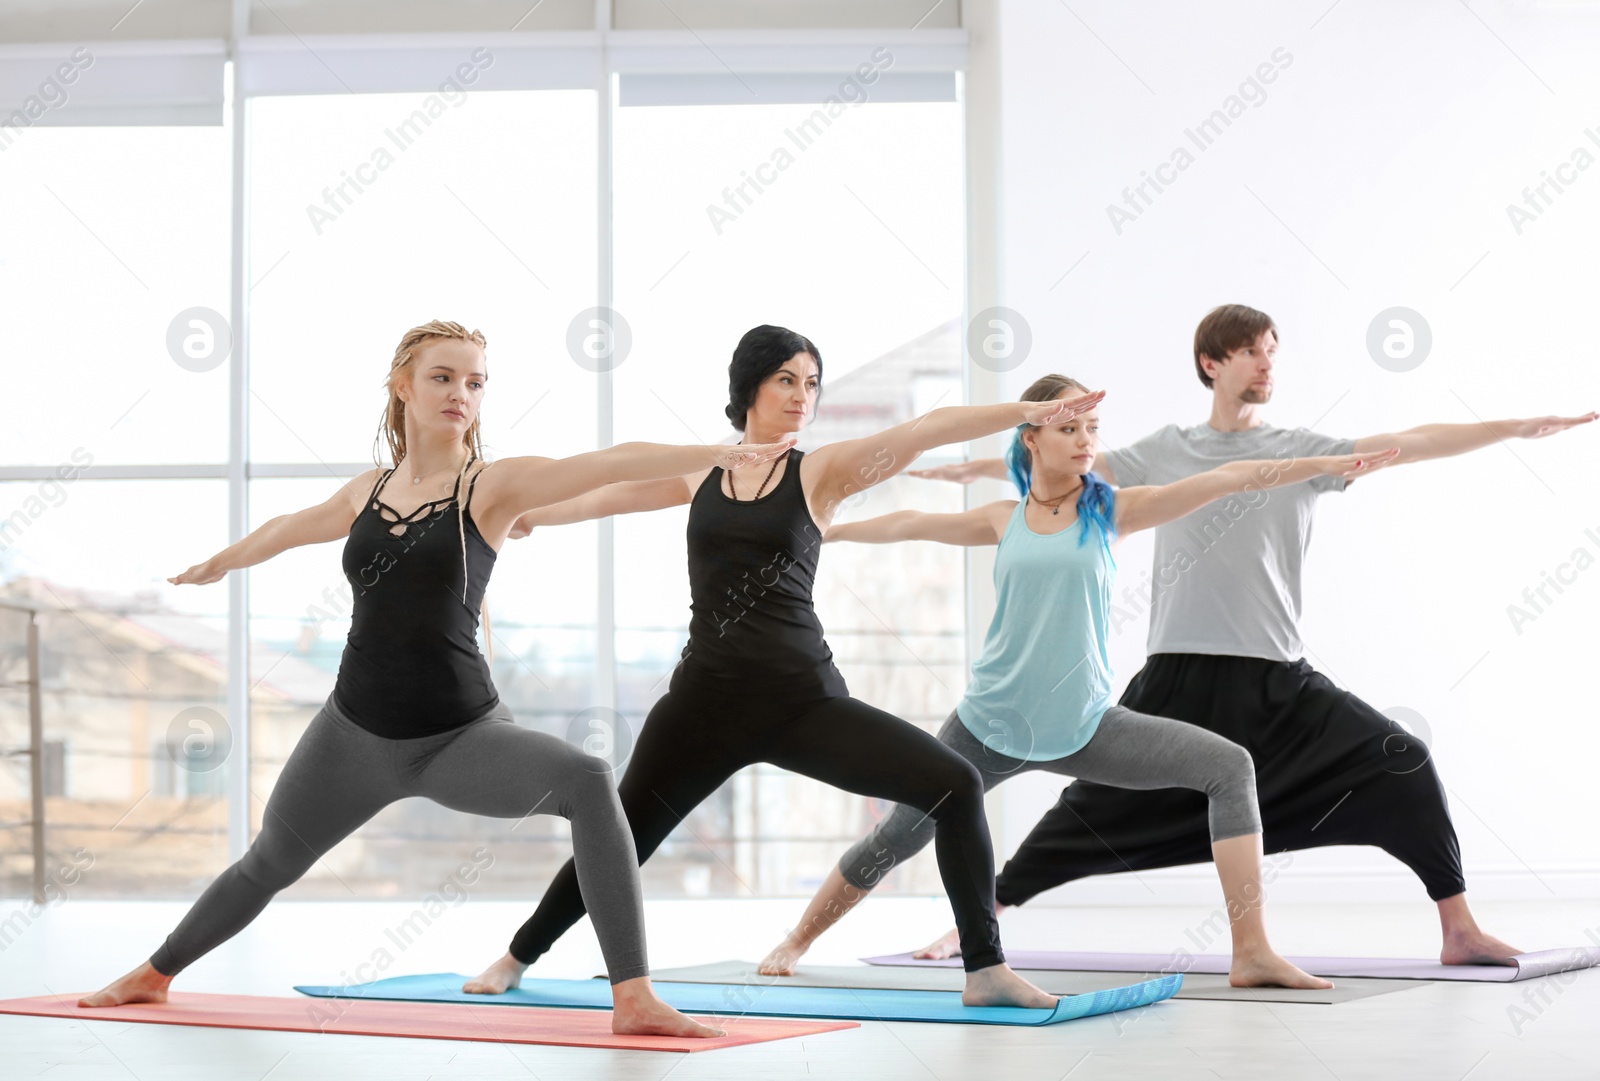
1226	579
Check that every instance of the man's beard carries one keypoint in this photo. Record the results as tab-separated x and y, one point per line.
1252	396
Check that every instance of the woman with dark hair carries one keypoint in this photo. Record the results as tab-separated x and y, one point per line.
413	711
1040	696
757	683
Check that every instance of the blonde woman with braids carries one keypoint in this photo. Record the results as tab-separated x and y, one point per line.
1040	695
413	711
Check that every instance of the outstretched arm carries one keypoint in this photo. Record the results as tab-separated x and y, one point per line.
326	521
969	529
1146	507
522	484
994	468
853	465
1447	440
628	497
964	472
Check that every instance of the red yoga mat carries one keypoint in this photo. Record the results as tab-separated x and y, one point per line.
422	1020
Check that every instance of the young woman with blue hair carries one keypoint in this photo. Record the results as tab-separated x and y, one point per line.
1040	696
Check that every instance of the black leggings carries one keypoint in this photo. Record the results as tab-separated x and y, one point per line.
1330	770
696	738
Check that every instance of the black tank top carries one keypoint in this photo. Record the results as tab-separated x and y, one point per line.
752	566
411	666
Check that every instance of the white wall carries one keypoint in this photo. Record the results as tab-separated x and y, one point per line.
1376	172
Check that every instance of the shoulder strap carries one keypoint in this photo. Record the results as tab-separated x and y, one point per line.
791	464
372	495
1016	526
712	477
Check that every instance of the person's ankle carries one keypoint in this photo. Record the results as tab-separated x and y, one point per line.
637	989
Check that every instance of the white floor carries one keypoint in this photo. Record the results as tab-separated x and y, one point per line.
1546	1028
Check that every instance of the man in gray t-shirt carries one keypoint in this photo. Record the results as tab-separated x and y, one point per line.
1227	577
1225	654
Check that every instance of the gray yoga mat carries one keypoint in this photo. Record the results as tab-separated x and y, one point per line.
1054	981
1524	966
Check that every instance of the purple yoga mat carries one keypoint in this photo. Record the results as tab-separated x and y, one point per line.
1524	966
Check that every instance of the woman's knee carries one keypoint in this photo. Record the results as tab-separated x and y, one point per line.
1235	810
954	787
591	791
1237	770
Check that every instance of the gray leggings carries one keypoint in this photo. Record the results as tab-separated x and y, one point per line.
340	775
1128	750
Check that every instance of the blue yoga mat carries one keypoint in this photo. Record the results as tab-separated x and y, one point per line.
843	1003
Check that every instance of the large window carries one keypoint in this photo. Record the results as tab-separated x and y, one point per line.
538	201
103	371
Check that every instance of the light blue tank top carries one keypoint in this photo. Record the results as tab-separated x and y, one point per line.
1044	679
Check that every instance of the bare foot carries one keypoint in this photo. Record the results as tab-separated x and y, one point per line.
1476	948
948	945
636	1011
998	985
780	962
1267	969
498	978
143	984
